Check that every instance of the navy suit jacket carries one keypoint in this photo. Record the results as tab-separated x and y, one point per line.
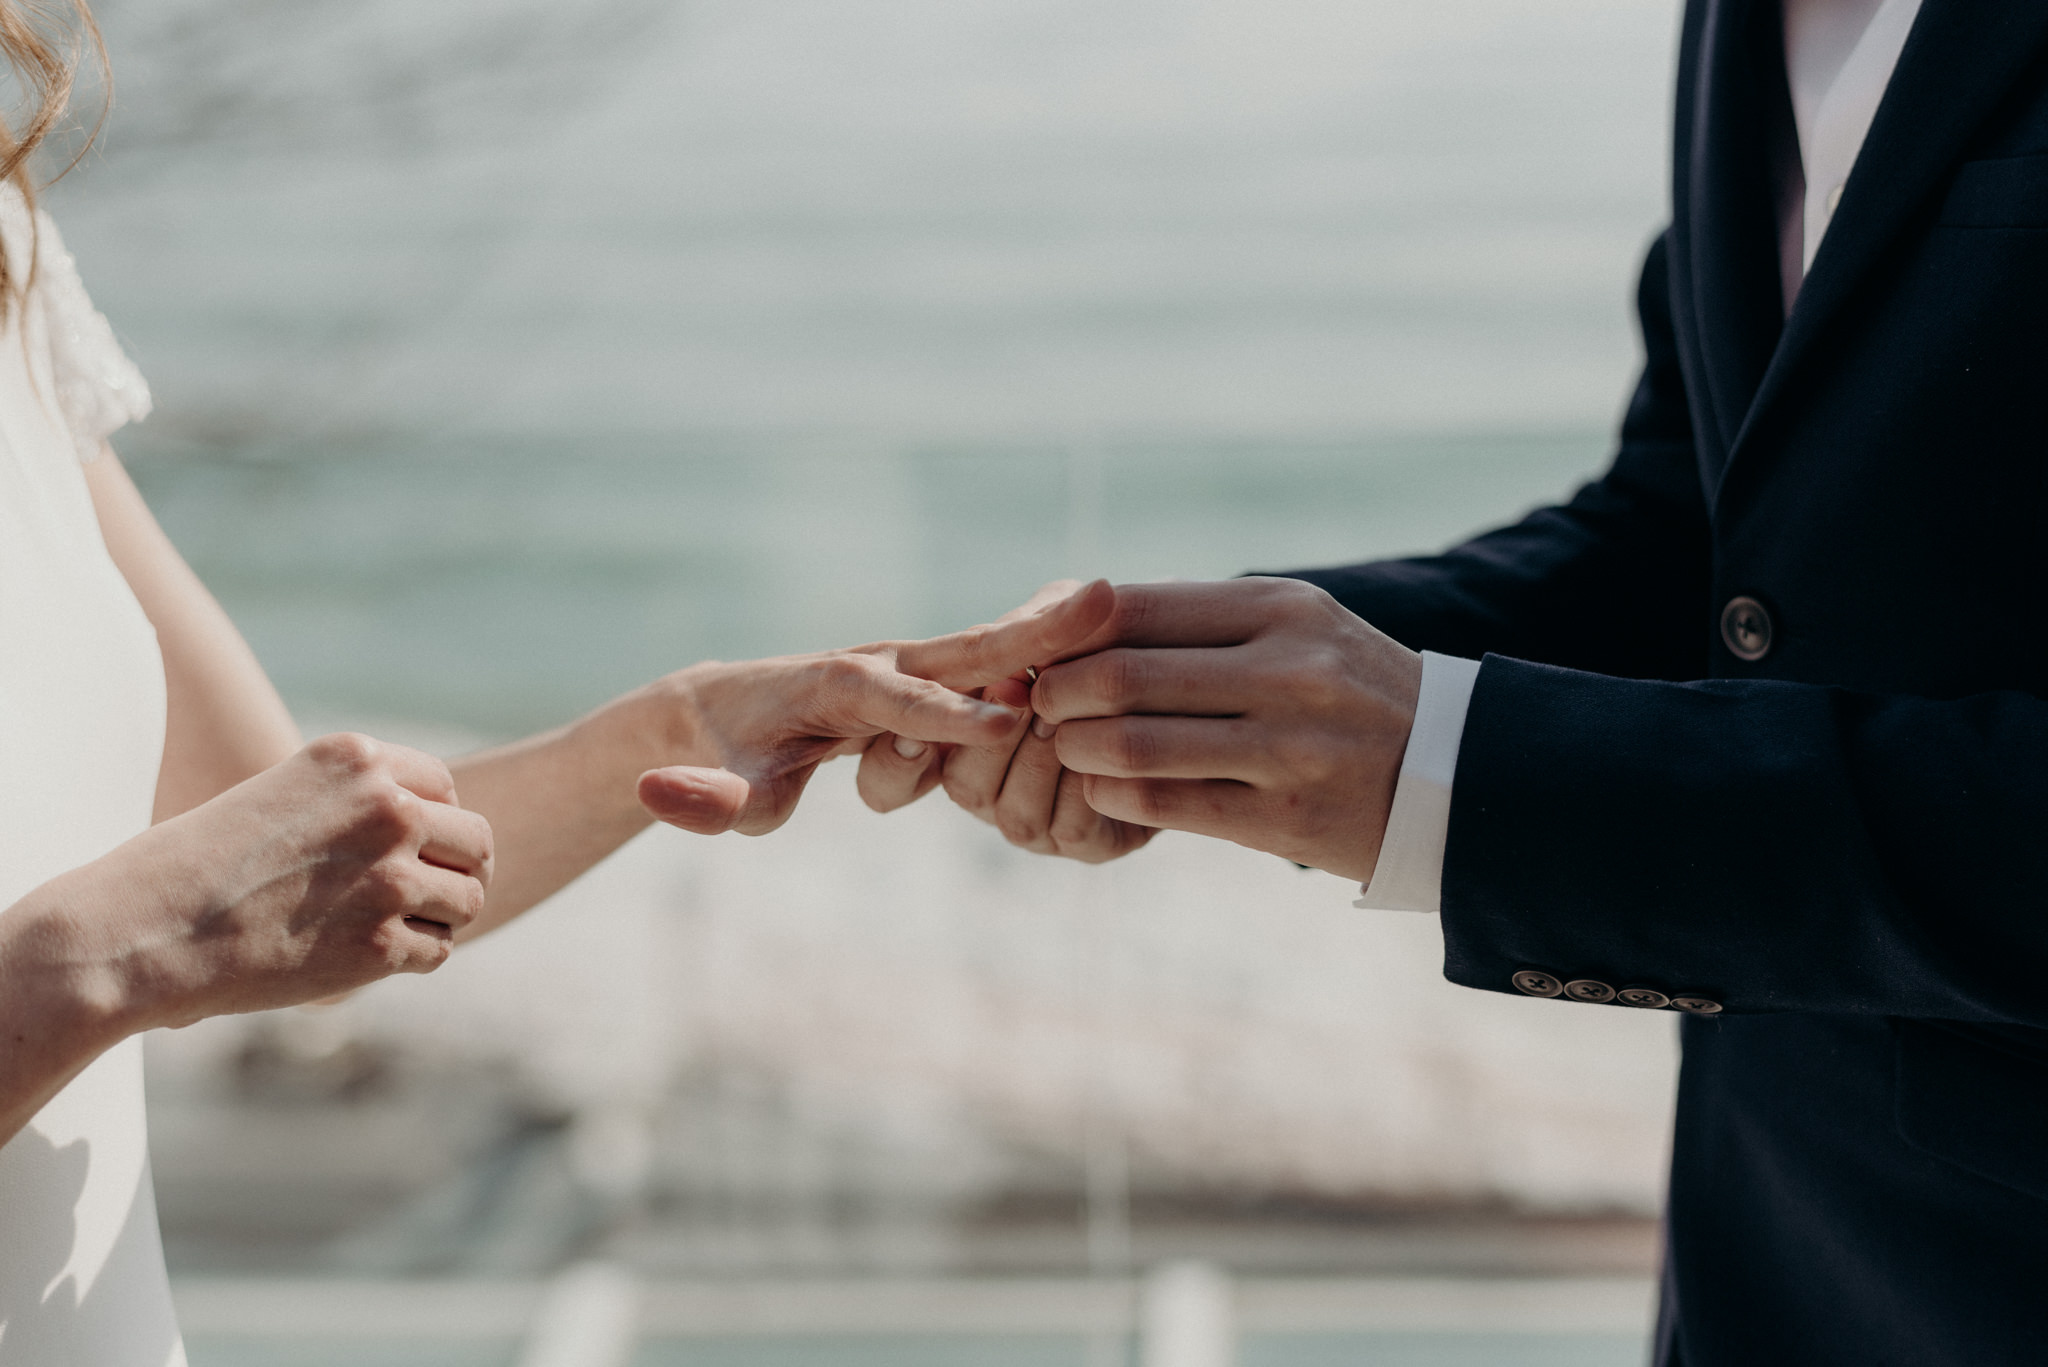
1845	842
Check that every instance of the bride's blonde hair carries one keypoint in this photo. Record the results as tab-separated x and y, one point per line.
45	43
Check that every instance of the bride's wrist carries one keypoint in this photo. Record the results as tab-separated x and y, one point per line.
51	1024
664	721
68	993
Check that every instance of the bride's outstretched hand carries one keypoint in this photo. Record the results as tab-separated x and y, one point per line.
757	731
1017	784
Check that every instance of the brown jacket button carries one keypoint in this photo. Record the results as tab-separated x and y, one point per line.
1698	1006
1536	984
1649	998
1746	629
1588	990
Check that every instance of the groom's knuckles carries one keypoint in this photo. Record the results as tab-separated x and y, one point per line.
1093	686
1224	613
1119	680
1201	806
1192	614
1199	681
1144	802
1152	747
1122	747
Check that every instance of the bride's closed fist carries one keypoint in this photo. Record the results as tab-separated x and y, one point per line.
344	864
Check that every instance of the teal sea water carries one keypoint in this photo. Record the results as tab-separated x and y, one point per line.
496	376
501	585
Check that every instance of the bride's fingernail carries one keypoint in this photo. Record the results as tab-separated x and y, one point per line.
1042	728
910	749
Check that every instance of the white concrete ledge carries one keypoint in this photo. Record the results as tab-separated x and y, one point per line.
740	1307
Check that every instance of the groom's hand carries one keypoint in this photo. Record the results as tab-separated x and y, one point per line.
1016	784
1257	710
751	734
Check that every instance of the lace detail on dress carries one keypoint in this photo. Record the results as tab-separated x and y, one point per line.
99	390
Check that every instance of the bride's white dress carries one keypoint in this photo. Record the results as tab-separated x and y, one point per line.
81	735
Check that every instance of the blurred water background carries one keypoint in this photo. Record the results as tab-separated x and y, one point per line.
510	353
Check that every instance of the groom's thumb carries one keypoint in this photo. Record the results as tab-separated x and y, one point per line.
706	801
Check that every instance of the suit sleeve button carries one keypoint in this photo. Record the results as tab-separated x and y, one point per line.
1537	984
1649	998
1698	1006
1588	990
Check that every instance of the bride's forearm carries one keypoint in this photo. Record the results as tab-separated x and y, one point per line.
737	742
59	1009
224	721
560	801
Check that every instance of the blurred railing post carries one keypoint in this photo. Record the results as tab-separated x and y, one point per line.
588	1317
1186	1317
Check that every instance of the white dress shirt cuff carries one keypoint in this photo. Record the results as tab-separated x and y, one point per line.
1410	872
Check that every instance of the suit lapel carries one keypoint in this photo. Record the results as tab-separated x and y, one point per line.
1727	208
1960	61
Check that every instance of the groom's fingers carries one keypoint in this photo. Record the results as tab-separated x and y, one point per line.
1216	681
705	801
981	655
1216	807
1228	612
1174	748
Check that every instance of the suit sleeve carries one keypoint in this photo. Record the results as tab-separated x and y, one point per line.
1614	581
1770	846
